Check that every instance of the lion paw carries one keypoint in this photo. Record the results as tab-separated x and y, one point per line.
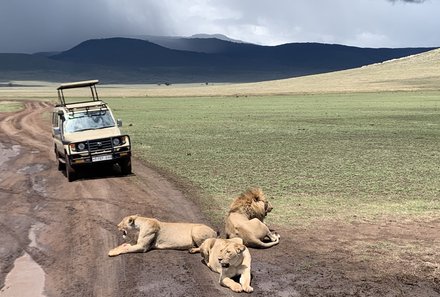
236	288
274	237
248	289
113	252
194	250
123	248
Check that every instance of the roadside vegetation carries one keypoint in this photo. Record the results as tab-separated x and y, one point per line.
10	106
318	157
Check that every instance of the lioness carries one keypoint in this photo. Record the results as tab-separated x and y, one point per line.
230	258
245	220
154	234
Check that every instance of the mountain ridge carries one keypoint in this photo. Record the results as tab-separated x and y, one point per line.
179	60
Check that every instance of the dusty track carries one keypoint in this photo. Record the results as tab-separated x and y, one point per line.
75	222
74	227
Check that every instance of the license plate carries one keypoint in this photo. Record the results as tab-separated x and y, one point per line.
102	158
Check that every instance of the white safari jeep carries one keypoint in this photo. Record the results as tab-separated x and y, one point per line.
86	133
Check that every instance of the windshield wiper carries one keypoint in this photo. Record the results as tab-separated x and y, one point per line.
105	127
85	129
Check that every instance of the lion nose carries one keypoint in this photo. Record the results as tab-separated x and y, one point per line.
269	207
225	265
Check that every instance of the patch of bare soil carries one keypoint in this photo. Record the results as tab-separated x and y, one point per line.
68	228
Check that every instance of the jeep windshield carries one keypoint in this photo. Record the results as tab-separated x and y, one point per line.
88	120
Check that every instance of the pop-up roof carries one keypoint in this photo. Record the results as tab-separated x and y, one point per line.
79	84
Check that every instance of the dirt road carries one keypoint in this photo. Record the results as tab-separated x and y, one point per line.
68	228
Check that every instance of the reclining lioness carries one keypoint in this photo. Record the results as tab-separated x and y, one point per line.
230	258
154	234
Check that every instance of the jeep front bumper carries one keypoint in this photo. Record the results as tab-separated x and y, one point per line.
109	149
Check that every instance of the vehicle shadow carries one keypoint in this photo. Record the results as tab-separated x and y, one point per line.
98	171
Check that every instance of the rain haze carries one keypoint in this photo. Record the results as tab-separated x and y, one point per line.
54	25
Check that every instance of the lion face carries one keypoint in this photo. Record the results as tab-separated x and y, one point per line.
231	255
261	205
127	224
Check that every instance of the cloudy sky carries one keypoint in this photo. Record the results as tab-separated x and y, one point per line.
29	26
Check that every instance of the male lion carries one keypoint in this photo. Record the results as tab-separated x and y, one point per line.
245	220
230	258
154	234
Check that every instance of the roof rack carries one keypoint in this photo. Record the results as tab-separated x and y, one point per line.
79	84
100	106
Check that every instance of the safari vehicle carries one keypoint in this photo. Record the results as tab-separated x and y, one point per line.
86	134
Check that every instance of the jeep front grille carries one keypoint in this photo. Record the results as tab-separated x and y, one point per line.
101	144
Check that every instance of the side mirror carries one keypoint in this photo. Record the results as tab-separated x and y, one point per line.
56	131
61	115
119	121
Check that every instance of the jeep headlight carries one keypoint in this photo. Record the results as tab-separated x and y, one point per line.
81	146
125	139
116	141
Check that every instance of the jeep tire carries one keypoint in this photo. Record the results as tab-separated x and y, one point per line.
70	172
125	165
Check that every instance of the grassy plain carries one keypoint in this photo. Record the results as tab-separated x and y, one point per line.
349	160
414	73
10	106
322	156
360	143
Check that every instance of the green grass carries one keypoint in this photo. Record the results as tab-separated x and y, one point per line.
328	156
10	106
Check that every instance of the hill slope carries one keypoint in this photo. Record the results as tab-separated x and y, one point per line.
128	60
294	58
127	52
416	72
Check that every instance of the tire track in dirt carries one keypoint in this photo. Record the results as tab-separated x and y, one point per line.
75	226
78	221
25	128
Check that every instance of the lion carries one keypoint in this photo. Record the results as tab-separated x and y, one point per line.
245	220
154	234
230	258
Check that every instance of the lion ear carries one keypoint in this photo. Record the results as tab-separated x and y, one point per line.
257	192
240	248
131	220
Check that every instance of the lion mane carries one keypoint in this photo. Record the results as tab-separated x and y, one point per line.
247	204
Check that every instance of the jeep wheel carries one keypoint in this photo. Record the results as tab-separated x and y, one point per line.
70	172
125	165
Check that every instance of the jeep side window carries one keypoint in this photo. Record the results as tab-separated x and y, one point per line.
60	120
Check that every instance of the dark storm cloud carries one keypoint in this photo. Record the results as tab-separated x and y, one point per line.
50	25
41	25
367	23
